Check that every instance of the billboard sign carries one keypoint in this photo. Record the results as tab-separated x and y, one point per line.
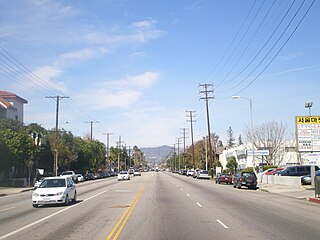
258	152
308	133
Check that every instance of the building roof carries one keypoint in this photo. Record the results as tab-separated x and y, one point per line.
5	104
9	95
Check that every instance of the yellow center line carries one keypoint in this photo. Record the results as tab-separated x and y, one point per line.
124	218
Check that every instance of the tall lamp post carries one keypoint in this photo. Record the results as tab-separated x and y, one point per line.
251	123
308	105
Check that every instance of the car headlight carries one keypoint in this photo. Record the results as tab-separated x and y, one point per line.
59	193
35	194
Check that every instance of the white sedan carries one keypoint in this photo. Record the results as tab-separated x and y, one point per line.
55	190
123	175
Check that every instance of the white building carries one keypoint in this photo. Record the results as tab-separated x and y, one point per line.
286	155
11	106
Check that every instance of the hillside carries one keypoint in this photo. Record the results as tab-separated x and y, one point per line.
155	155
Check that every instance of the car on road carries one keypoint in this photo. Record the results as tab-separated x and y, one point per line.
71	174
123	175
137	172
131	171
224	178
190	172
203	174
80	177
297	170
244	178
55	190
306	180
89	176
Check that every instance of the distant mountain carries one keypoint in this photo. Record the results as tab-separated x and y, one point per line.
155	155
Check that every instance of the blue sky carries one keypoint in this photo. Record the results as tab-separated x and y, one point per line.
135	66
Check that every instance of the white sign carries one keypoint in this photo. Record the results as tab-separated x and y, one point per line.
41	171
258	152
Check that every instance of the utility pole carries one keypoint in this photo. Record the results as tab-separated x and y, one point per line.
55	162
184	144
107	141
178	139
191	120
91	123
206	97
119	149
174	155
107	145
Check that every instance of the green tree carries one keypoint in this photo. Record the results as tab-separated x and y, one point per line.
232	164
230	138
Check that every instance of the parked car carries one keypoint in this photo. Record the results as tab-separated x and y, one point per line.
297	170
137	172
224	178
190	172
131	171
38	182
248	179
123	175
71	174
89	176
203	174
80	177
55	190
306	180
275	171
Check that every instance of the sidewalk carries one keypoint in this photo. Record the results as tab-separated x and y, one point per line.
307	192
4	191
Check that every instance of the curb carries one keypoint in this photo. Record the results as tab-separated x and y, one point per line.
314	200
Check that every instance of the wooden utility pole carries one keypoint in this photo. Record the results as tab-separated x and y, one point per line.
55	161
191	120
206	97
91	123
184	132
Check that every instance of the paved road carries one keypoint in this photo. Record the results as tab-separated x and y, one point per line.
161	206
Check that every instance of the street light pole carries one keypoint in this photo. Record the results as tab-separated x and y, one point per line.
251	123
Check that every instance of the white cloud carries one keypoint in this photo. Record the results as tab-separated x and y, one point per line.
118	94
47	74
146	24
141	81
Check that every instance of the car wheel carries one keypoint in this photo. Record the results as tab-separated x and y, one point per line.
75	197
66	201
35	205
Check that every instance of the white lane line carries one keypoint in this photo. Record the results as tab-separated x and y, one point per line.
47	217
5	209
181	189
188	194
199	204
222	224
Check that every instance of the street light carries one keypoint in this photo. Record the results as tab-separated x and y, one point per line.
251	120
308	105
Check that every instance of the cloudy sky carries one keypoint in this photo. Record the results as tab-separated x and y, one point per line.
133	66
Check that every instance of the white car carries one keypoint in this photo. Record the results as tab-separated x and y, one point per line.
80	178
203	174
137	172
190	172
123	175
55	190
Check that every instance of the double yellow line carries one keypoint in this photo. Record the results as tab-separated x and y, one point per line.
116	230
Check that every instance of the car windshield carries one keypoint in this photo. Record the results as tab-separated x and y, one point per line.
49	183
123	172
66	173
204	172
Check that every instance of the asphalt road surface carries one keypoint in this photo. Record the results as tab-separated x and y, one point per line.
161	205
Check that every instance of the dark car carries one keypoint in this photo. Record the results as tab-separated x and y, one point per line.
297	171
247	179
89	176
224	178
